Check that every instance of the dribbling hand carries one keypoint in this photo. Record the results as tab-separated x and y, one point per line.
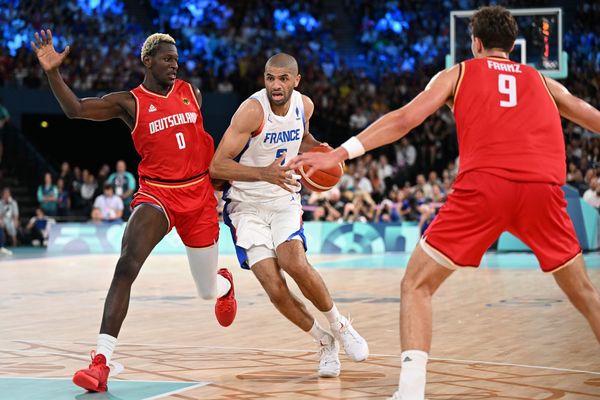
316	161
280	175
44	50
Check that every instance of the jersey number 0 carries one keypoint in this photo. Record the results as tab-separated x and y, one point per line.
180	140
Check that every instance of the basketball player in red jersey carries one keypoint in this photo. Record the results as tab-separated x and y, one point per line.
512	165
164	116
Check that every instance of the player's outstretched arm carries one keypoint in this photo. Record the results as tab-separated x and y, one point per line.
573	108
247	119
392	126
98	109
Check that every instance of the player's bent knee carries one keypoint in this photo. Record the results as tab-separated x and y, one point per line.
295	264
415	285
278	294
127	269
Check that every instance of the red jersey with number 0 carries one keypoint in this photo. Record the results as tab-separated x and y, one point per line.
169	134
507	122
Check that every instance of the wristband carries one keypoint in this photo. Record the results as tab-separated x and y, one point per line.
354	147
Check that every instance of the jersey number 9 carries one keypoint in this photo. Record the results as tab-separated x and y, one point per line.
507	84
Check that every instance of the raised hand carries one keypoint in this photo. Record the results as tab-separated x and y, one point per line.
280	175
44	50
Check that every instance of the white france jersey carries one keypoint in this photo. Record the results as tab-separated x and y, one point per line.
277	134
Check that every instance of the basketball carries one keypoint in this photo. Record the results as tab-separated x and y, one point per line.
323	179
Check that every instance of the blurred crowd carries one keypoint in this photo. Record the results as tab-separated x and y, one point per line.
223	46
75	194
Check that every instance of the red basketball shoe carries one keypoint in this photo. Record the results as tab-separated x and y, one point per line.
94	377
226	306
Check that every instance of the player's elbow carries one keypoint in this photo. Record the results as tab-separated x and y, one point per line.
71	114
213	170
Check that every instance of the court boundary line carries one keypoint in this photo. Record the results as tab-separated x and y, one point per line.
120	380
462	361
195	385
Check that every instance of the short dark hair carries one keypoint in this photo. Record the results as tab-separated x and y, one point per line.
495	27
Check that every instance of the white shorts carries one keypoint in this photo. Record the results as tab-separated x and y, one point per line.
258	228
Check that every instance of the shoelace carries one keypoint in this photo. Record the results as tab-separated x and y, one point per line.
329	355
94	361
345	329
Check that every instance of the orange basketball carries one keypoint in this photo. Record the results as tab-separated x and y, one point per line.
323	179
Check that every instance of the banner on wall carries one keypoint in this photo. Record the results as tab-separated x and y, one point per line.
322	238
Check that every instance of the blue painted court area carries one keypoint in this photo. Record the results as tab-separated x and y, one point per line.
63	389
399	260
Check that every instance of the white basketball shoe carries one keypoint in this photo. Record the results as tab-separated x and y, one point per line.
354	345
396	396
329	360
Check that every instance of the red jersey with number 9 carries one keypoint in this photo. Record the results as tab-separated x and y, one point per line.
507	122
169	134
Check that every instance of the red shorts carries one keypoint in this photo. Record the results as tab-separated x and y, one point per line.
190	207
482	206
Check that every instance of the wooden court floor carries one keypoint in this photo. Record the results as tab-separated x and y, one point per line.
498	334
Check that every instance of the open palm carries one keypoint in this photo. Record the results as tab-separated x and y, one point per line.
45	52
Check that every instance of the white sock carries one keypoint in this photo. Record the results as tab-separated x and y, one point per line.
317	332
204	266
413	374
105	345
333	315
223	286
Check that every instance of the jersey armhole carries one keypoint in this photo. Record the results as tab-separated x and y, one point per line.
303	114
461	74
543	78
262	124
137	111
194	96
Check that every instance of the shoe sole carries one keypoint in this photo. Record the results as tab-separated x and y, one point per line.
88	383
329	374
358	359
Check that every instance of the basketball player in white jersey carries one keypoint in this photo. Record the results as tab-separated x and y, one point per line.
263	206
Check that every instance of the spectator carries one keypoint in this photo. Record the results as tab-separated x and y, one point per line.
110	205
333	205
66	175
4	116
424	186
124	185
3	250
4	119
362	208
347	179
385	171
39	227
9	215
88	191
387	212
96	216
363	182
358	120
47	195
63	204
592	195
75	189
103	175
